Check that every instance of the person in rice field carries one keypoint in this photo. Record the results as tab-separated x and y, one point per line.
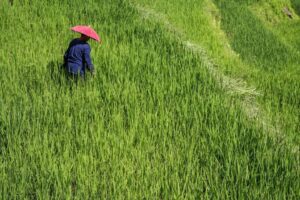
77	58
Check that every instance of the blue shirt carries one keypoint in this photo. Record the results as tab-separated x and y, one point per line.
77	57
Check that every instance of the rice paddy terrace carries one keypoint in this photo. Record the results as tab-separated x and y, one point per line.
192	99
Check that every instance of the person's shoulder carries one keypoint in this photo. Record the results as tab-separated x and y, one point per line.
74	41
87	46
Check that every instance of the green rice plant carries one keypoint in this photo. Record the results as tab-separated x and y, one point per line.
296	6
243	45
153	123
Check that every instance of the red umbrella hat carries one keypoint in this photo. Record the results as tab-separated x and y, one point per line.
86	30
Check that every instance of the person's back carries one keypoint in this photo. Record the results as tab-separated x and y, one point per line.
77	57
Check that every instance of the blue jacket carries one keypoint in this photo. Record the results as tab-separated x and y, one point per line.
77	57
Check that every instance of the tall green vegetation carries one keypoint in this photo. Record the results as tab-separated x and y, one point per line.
242	45
153	123
255	44
277	62
296	6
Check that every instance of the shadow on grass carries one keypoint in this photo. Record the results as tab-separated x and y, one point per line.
296	6
57	73
3	137
60	77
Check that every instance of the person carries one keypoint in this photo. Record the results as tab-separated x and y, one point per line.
77	58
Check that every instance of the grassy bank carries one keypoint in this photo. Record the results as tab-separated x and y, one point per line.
248	40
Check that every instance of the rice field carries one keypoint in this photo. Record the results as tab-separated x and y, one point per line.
191	100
